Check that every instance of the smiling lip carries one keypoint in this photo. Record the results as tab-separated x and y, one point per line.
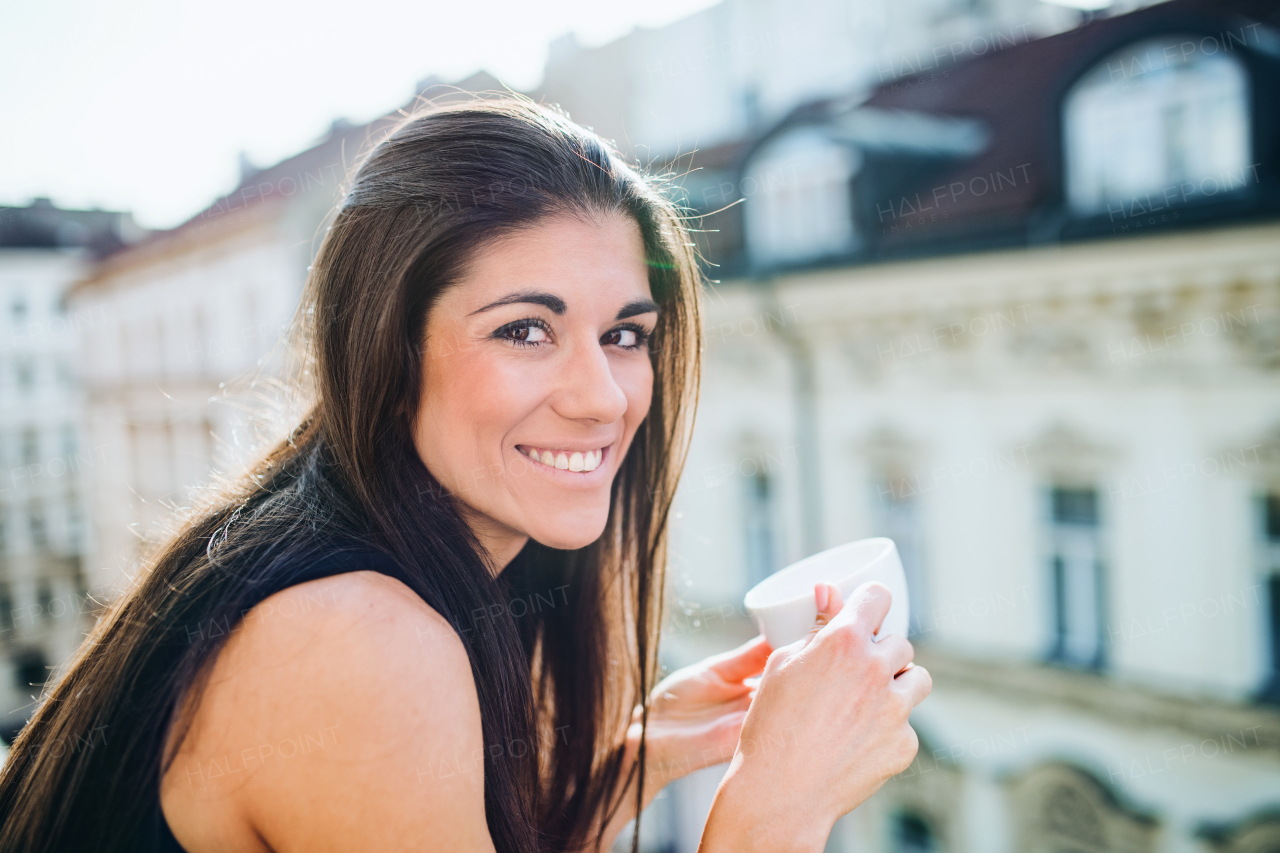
576	460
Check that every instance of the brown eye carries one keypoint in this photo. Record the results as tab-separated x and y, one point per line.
626	337
524	332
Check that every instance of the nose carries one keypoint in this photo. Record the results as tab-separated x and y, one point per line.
587	390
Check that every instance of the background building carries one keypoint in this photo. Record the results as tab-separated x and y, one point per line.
1023	317
178	375
43	459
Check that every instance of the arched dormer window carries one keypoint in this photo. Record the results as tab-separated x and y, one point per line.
1163	121
798	206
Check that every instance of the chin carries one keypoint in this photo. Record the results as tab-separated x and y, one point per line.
570	531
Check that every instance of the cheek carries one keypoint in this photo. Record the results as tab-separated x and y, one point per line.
481	396
636	382
448	415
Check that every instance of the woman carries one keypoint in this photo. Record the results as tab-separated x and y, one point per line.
428	619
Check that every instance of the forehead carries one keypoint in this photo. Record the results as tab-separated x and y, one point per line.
599	257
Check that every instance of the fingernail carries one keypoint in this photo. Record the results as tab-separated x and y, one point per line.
822	594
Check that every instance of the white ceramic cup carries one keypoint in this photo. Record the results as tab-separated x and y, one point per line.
783	606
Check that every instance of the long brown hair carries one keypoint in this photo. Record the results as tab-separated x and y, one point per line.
85	771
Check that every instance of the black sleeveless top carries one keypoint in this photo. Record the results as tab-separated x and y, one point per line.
159	836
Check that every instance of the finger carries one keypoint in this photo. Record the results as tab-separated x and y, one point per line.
830	602
867	608
743	662
916	683
898	650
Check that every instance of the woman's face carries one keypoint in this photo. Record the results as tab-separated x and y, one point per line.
540	349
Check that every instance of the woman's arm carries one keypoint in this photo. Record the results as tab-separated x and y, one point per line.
748	816
341	716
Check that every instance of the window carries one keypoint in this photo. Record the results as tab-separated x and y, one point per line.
75	526
29	669
798	199
66	374
26	369
897	515
30	447
759	528
751	108
911	834
39	529
6	607
1153	126
1270	553
1075	566
68	434
44	598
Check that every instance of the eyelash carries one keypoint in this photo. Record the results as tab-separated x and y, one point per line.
642	334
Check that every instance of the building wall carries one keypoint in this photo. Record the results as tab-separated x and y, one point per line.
1144	368
42	460
186	328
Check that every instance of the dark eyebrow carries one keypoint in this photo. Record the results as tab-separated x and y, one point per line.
555	303
557	306
640	306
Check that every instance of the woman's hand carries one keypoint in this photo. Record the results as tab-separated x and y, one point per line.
827	728
695	717
696	713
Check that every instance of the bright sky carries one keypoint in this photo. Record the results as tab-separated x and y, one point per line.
143	105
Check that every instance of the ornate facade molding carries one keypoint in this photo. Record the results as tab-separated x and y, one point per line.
1127	705
1058	807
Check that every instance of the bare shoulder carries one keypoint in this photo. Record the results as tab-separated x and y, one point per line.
341	714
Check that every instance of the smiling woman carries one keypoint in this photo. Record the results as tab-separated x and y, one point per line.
558	371
429	617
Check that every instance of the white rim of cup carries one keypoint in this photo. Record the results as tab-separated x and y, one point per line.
885	542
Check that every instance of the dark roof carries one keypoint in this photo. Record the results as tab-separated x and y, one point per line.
1016	93
41	225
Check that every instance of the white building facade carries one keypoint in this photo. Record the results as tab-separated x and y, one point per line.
1056	388
44	457
1013	418
178	374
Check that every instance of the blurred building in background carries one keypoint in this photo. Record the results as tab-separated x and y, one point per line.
723	74
43	459
1023	316
997	279
179	371
190	317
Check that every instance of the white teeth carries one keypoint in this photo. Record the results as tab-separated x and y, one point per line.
578	461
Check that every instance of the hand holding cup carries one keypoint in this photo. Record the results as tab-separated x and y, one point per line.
827	727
